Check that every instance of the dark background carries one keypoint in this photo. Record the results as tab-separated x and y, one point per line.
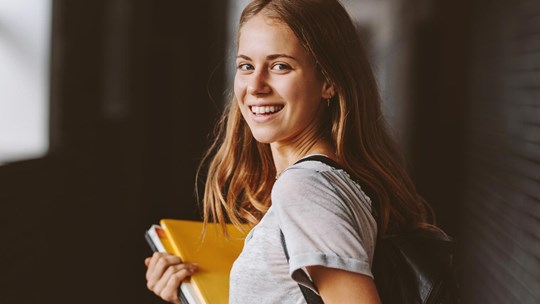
131	115
136	88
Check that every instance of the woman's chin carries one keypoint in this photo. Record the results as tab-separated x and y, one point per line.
263	137
263	140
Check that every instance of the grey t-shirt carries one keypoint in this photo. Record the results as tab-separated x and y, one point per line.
326	220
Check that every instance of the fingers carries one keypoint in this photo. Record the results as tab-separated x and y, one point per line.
170	292
167	287
165	273
159	262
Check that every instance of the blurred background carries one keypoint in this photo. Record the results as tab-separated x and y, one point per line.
106	108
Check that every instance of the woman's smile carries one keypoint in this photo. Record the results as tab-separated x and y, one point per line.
265	110
264	113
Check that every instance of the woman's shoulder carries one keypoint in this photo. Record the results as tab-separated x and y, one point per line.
305	172
312	177
313	187
312	171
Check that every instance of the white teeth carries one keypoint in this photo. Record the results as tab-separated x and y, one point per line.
265	109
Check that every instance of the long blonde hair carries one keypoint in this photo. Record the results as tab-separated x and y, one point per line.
241	172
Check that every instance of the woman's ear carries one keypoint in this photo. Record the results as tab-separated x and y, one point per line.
328	90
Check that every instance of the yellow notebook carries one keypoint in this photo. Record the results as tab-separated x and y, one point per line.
214	255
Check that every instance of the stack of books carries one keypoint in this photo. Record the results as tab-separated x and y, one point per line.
214	254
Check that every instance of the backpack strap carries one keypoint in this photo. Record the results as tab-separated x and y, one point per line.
323	159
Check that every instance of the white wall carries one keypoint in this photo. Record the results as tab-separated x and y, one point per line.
234	12
25	30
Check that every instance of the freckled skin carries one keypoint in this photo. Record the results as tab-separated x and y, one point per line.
274	69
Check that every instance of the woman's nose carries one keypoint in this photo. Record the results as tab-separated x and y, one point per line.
258	84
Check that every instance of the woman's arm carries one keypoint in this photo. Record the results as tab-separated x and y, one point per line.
341	286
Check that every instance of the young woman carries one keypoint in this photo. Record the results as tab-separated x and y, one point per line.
303	87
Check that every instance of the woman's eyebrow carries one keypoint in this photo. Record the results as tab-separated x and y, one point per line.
240	56
275	56
269	57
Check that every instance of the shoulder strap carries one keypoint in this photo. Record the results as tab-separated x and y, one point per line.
323	159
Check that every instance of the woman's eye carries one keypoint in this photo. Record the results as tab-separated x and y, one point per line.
245	67
281	67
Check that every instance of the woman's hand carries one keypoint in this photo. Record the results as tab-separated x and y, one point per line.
165	273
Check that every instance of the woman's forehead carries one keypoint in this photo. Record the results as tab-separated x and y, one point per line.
261	34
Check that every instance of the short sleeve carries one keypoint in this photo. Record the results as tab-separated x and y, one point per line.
326	220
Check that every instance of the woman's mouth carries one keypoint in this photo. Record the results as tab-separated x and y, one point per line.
265	110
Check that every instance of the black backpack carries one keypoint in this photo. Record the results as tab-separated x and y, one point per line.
412	268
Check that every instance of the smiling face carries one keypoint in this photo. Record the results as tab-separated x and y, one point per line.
277	86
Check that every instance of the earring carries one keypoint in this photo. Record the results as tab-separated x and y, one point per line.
328	102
